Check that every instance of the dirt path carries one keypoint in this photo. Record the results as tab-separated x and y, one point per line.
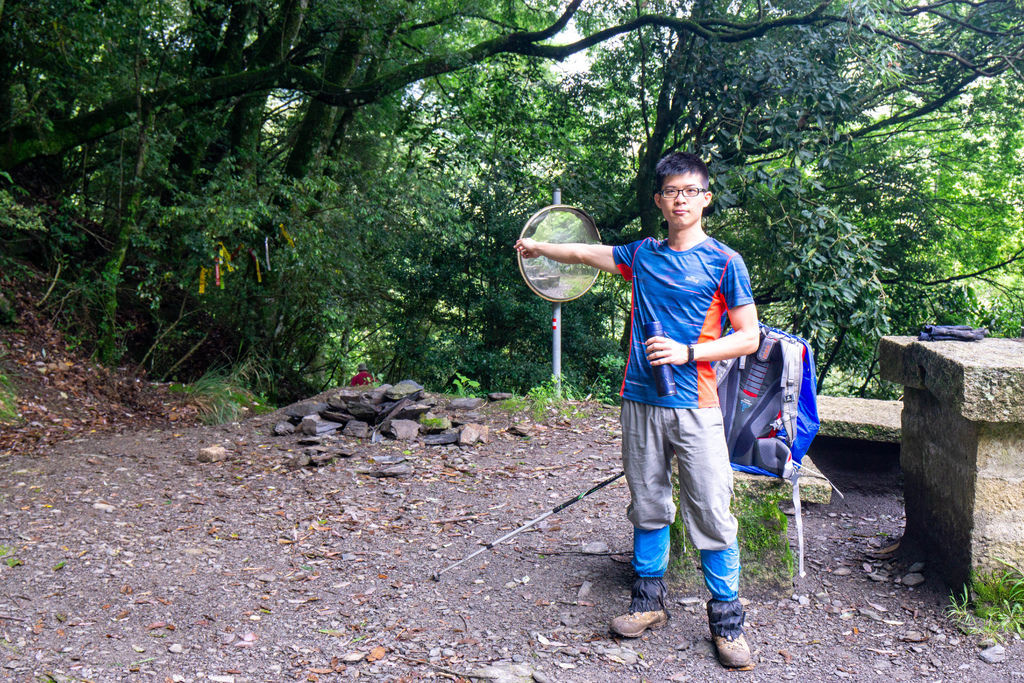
139	563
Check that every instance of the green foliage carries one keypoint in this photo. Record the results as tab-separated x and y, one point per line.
555	398
992	605
7	555
870	185
464	386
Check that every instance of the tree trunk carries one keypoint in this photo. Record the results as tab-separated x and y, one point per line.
319	123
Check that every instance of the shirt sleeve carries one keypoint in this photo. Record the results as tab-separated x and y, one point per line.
736	283
624	255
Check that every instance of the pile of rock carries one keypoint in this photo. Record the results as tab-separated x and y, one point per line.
403	411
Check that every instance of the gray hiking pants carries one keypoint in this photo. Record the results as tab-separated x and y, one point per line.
651	437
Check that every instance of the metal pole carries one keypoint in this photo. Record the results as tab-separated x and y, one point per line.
558	508
556	325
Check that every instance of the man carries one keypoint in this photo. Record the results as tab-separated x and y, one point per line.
688	283
362	377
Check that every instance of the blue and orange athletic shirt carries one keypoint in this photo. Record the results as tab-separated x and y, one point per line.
689	292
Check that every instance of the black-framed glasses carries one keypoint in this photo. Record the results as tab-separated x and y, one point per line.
690	192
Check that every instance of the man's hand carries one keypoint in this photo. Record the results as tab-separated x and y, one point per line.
664	351
597	255
528	247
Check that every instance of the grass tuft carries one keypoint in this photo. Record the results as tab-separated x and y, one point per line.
221	395
992	605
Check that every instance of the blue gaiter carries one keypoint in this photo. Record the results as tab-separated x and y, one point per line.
721	571
650	551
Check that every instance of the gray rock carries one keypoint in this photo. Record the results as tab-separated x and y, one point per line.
338	416
389	471
284	428
499	396
916	568
442	439
913	579
411	411
404	389
303	408
471	433
595	548
404	430
466	403
504	673
363	410
314	425
212	454
357	428
434	424
993	655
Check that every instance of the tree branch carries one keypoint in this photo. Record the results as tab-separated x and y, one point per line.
1017	256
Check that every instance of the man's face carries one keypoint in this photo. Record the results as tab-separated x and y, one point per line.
681	211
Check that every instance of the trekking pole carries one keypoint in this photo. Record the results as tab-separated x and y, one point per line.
436	576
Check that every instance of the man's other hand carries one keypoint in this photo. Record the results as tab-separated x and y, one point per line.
528	247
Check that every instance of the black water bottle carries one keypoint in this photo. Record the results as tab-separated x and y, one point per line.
663	374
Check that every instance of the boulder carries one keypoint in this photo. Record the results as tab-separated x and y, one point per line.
466	403
433	424
283	428
472	433
499	396
303	408
335	416
404	389
212	454
404	430
357	428
363	411
441	439
314	425
411	411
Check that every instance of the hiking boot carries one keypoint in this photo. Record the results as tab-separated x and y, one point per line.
632	625
725	618
733	653
646	608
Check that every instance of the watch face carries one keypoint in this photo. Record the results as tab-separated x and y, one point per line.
550	279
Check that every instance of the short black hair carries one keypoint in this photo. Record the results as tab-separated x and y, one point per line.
680	163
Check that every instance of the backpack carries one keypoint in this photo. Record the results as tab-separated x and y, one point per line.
769	404
770	410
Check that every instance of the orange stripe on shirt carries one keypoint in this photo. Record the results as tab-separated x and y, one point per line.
707	384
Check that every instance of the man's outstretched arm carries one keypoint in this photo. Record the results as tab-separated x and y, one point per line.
597	255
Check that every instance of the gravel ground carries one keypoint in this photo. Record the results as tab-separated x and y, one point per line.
133	561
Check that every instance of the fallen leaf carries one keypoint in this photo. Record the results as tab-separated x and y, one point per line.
785	655
376	653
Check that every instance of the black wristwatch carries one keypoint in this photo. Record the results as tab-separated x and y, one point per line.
689	353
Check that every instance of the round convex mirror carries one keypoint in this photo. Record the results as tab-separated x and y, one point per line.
549	279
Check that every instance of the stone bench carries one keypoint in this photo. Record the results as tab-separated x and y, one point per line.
962	449
860	419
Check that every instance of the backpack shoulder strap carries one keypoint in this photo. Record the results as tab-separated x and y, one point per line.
792	376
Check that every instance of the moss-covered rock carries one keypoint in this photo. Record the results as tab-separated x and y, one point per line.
768	563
